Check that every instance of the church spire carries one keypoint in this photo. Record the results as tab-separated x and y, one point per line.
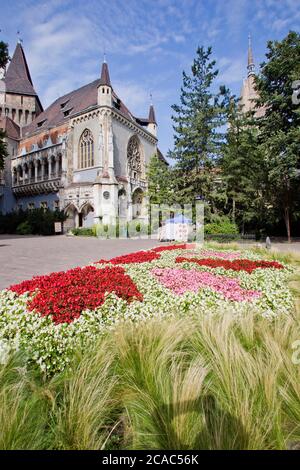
105	78
105	89
152	124
18	79
151	118
251	65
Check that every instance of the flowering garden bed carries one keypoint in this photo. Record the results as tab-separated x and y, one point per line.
49	316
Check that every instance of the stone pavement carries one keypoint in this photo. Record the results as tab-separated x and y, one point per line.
22	257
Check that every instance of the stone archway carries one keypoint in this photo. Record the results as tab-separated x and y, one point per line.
138	202
122	204
72	217
86	216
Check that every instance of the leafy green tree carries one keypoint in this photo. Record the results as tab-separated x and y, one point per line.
4	58
160	188
198	120
243	169
279	135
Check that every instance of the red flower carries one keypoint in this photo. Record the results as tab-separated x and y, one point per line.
236	265
64	295
186	246
138	257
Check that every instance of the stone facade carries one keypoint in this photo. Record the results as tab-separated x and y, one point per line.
85	154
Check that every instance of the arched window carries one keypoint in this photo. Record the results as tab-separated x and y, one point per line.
86	150
134	157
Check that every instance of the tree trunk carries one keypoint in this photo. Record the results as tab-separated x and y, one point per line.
287	222
233	210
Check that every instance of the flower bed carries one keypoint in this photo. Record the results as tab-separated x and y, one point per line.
181	281
138	257
64	295
49	316
185	246
236	265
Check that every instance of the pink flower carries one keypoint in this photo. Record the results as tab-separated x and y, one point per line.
180	281
219	254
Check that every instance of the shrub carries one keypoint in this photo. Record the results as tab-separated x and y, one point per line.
41	221
221	230
84	232
24	228
137	228
106	231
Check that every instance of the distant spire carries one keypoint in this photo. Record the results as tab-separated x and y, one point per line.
251	65
105	79
151	117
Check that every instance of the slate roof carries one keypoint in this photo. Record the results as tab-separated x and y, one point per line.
17	78
72	103
10	127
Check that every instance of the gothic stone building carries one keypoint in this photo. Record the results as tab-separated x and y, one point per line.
86	153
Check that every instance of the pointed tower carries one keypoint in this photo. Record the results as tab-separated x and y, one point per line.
249	93
152	124
22	103
104	88
251	65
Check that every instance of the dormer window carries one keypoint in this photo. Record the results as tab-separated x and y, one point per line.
62	105
117	103
40	123
67	112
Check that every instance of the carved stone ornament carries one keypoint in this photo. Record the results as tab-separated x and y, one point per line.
134	155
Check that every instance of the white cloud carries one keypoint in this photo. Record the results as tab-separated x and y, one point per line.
231	70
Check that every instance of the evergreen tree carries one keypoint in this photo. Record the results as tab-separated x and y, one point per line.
197	126
280	127
4	58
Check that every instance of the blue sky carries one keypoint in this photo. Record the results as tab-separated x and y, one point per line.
148	44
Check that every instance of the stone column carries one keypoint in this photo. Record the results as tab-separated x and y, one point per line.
36	170
49	167
18	175
57	166
29	172
24	174
43	168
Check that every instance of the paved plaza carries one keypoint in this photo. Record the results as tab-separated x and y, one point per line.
22	257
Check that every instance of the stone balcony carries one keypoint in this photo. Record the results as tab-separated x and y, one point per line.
32	186
137	183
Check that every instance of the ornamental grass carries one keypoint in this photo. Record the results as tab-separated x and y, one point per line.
216	382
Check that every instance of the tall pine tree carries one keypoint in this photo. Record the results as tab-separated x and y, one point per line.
197	125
